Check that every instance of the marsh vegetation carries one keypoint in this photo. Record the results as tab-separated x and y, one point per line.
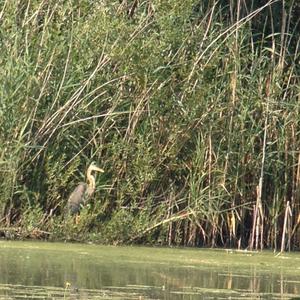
191	108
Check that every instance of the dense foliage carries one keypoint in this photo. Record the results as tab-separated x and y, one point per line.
191	107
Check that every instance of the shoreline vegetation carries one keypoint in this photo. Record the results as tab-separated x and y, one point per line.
191	108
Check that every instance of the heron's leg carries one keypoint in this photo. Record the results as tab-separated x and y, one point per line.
77	219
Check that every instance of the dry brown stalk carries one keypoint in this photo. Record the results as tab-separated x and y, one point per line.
288	214
179	216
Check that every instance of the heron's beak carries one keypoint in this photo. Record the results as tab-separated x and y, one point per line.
95	168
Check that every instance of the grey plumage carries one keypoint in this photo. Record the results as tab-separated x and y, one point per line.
77	198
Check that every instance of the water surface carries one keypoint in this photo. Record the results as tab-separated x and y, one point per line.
38	270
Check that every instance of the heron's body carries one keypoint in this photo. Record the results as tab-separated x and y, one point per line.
77	198
83	191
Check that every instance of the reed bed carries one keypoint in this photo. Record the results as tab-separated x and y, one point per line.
191	107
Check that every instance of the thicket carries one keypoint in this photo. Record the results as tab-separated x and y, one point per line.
191	107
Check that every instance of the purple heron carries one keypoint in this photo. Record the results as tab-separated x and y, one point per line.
83	191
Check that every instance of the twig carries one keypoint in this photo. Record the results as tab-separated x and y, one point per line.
166	221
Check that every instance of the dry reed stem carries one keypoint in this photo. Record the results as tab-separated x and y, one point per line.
179	216
287	215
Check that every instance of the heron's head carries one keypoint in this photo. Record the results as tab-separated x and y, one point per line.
90	178
94	167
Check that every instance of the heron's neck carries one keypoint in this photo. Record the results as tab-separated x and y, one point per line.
90	180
